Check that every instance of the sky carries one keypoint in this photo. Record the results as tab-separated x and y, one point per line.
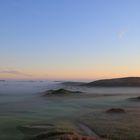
69	39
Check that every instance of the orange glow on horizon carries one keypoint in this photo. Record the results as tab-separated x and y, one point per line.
71	75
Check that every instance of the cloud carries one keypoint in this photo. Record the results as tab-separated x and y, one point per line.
121	34
14	72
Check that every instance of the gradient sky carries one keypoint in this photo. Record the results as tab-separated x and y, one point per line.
69	39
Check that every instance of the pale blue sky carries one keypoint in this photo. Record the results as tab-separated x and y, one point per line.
90	39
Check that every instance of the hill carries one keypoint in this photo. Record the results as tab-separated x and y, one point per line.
60	92
116	82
